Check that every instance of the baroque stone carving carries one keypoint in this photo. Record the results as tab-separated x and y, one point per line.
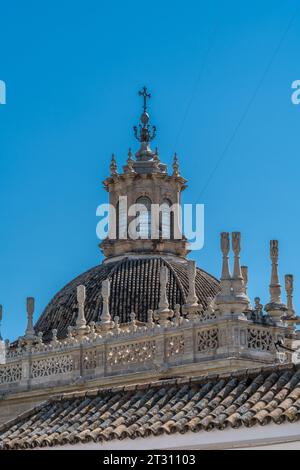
90	359
261	340
51	366
175	345
11	373
207	340
131	353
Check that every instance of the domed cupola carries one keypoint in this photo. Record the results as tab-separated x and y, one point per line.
134	258
134	287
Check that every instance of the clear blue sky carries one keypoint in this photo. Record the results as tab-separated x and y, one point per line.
219	72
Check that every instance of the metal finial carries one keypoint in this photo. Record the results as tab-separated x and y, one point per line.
144	134
143	92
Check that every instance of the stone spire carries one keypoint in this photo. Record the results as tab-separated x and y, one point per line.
175	165
289	287
237	278
275	308
29	332
129	162
156	159
225	276
244	270
81	321
232	298
113	165
275	287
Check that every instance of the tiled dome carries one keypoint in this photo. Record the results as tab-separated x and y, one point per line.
134	288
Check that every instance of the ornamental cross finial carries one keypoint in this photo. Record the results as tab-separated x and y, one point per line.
143	92
144	134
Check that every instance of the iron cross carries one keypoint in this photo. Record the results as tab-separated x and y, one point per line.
145	95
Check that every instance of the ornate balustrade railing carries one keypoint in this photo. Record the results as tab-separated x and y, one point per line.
133	348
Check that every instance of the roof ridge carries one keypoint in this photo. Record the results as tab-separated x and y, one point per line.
204	378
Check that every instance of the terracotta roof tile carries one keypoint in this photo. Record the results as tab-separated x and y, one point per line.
245	398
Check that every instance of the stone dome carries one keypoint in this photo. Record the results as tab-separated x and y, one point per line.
134	288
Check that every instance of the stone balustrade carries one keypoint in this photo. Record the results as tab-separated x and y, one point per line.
133	348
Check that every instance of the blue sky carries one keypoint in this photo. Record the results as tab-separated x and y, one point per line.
220	75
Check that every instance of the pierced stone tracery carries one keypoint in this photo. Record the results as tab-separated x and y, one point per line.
261	340
11	373
207	340
51	366
131	353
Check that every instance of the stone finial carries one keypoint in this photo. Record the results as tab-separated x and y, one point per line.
156	160
132	325
244	270
129	162
258	307
105	318
175	165
225	276
163	312
178	318
70	333
117	328
54	336
29	332
275	287
150	321
192	298
163	278
289	287
40	338
81	321
192	307
113	165
237	278
275	308
231	298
